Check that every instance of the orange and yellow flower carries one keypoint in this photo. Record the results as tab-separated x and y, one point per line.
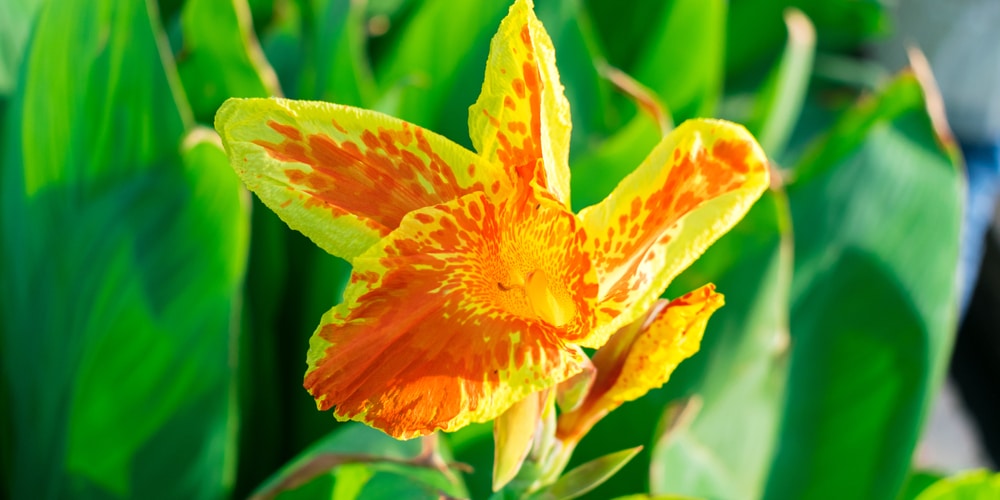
474	285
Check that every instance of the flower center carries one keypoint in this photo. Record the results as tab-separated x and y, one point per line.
545	298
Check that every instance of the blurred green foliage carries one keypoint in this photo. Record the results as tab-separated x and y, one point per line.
154	325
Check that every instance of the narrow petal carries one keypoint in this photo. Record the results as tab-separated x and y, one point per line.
695	185
438	328
513	432
641	356
522	119
343	176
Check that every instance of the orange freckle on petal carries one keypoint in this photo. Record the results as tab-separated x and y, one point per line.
518	85
526	35
509	103
288	131
424	218
370	140
472	170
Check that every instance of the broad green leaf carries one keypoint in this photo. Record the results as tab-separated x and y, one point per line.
876	207
974	485
722	449
123	251
378	466
780	100
588	476
220	57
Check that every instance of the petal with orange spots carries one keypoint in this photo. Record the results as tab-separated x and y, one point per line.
694	186
343	176
522	117
453	317
641	356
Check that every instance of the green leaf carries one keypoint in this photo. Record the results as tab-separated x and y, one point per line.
780	100
220	57
682	57
589	475
973	485
876	207
723	448
917	482
438	60
378	466
123	252
577	53
336	67
16	20
598	171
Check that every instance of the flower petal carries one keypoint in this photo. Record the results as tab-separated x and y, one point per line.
438	329
641	356
695	185
344	176
522	115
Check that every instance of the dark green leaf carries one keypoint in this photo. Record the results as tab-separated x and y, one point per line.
876	208
123	251
336	68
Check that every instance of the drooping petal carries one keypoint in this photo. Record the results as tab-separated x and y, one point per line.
522	118
641	356
695	185
439	327
343	176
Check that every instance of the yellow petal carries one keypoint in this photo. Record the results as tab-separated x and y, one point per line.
513	433
344	176
522	119
695	185
641	357
436	332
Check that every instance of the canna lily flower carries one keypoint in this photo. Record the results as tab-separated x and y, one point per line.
473	283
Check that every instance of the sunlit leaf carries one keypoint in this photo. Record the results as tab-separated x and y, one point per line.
974	485
588	476
220	57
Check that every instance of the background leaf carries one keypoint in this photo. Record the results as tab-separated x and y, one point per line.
876	208
107	222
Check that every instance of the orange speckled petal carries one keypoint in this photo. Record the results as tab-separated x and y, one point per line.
522	119
641	356
343	176
438	328
695	185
